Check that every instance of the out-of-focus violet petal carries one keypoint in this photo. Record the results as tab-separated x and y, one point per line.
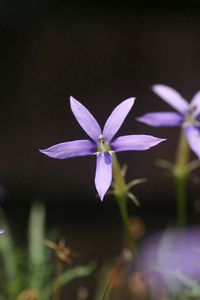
172	255
103	176
71	149
172	97
1	231
193	138
196	103
134	142
158	119
116	118
85	119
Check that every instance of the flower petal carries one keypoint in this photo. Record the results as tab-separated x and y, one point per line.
85	119
193	138
134	142
116	118
1	231
103	176
70	149
196	102
158	119
172	97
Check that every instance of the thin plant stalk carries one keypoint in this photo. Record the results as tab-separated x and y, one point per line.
180	173
36	254
120	192
57	287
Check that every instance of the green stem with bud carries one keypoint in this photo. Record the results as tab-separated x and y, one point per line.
120	191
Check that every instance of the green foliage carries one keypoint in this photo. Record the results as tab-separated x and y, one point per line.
27	271
69	275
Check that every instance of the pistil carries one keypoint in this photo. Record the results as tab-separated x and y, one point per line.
103	146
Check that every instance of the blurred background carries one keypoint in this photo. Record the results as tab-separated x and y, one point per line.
101	53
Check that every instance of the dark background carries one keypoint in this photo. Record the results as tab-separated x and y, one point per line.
101	53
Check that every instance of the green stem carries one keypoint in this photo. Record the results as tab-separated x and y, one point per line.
57	286
118	178
180	173
120	191
183	152
181	202
122	202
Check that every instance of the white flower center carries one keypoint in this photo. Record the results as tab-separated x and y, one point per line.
103	146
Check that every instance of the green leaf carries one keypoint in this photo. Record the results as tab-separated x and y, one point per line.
36	248
77	272
8	253
69	275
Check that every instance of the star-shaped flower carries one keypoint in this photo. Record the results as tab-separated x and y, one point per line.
101	143
187	115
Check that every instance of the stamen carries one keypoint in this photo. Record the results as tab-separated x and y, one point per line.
101	137
192	109
191	118
103	145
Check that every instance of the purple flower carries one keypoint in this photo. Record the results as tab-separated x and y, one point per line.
101	143
173	256
187	115
1	231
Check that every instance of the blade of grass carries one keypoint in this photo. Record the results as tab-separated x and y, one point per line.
71	274
9	257
36	235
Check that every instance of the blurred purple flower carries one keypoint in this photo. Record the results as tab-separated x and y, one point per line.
101	143
187	116
1	231
174	256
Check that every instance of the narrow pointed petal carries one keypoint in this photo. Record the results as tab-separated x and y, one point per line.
162	119
134	142
196	103
85	119
193	138
103	176
116	118
172	97
70	149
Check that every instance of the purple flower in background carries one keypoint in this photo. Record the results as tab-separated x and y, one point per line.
187	115
174	256
1	231
101	143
